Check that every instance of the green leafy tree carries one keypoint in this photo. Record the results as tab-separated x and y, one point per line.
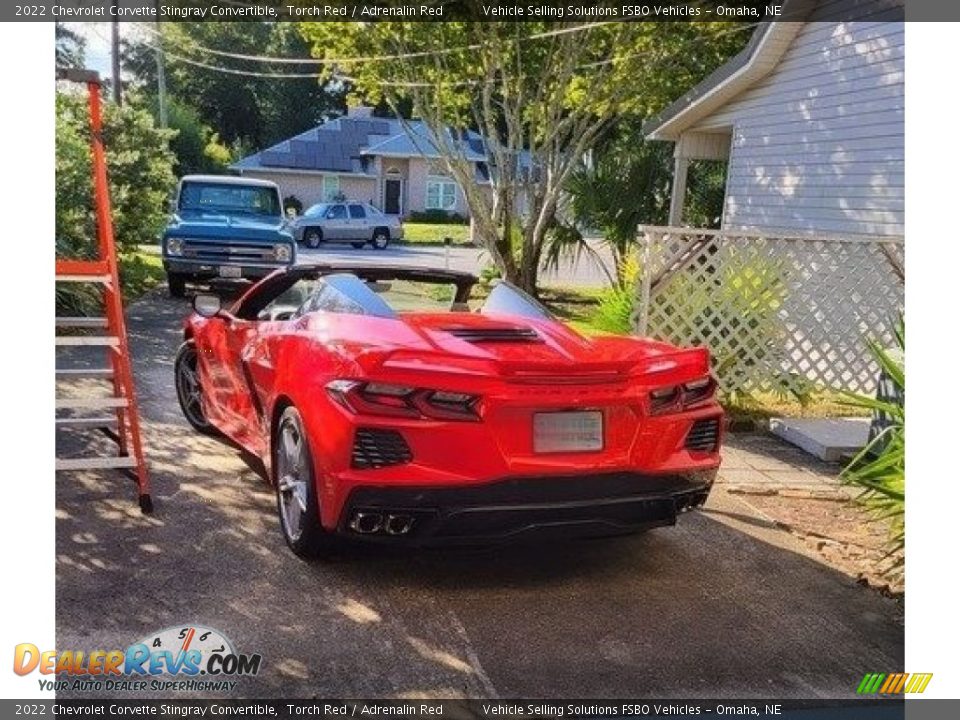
139	166
542	93
197	147
627	184
253	111
70	47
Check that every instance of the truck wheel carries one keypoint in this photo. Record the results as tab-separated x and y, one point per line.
177	285
312	238
381	238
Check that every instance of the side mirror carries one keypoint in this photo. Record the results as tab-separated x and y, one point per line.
207	306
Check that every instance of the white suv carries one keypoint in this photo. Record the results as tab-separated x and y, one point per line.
346	222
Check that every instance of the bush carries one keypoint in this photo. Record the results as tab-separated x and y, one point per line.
139	168
879	470
292	202
615	310
196	146
140	173
438	217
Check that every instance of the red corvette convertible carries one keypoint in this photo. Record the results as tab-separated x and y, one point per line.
386	408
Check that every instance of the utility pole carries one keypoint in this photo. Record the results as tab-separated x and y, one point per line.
115	38
161	76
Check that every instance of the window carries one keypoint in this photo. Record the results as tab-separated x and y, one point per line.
331	187
357	212
441	194
337	212
315	210
228	198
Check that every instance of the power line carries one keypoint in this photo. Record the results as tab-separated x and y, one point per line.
376	58
398	83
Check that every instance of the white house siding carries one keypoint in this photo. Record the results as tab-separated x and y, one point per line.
817	145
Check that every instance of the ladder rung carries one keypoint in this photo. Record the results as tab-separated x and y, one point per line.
82	267
107	340
91	403
76	373
82	322
101	463
105	279
80	422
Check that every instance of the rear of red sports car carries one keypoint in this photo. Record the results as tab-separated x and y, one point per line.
454	426
490	428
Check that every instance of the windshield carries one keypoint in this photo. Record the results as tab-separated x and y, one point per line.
316	210
229	198
505	299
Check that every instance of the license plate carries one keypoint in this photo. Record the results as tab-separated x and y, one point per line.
229	271
559	432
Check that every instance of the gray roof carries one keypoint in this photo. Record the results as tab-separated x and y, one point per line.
344	144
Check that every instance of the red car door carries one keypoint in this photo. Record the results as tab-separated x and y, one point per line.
229	405
239	400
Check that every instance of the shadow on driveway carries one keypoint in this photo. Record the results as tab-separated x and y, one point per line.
701	609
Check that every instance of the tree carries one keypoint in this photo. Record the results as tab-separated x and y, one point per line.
139	166
251	112
626	184
542	94
197	147
70	47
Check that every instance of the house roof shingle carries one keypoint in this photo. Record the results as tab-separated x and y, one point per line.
343	145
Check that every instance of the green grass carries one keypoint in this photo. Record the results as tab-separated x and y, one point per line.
140	272
575	306
428	234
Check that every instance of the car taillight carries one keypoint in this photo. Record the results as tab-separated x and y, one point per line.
390	400
677	398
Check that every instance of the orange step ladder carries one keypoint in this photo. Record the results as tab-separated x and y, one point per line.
121	421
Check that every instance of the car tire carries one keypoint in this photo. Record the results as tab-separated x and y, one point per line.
380	239
189	392
298	508
358	245
176	285
312	237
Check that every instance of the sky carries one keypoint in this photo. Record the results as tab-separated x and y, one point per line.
97	36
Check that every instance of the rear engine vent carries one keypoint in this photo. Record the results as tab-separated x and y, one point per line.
704	436
375	448
503	334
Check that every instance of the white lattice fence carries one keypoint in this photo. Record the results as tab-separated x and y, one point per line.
777	312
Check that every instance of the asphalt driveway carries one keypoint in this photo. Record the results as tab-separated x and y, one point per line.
719	606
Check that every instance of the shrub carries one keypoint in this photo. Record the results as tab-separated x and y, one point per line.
292	202
140	173
139	168
437	217
489	274
615	308
879	469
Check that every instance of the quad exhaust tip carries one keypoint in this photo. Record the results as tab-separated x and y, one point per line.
398	524
366	523
370	523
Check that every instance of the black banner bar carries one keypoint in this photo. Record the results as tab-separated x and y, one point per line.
873	708
754	11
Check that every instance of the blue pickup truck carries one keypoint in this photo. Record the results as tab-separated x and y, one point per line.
225	227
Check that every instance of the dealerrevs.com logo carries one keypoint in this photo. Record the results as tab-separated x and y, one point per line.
183	658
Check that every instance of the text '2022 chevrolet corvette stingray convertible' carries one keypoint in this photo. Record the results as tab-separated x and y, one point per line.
386	408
